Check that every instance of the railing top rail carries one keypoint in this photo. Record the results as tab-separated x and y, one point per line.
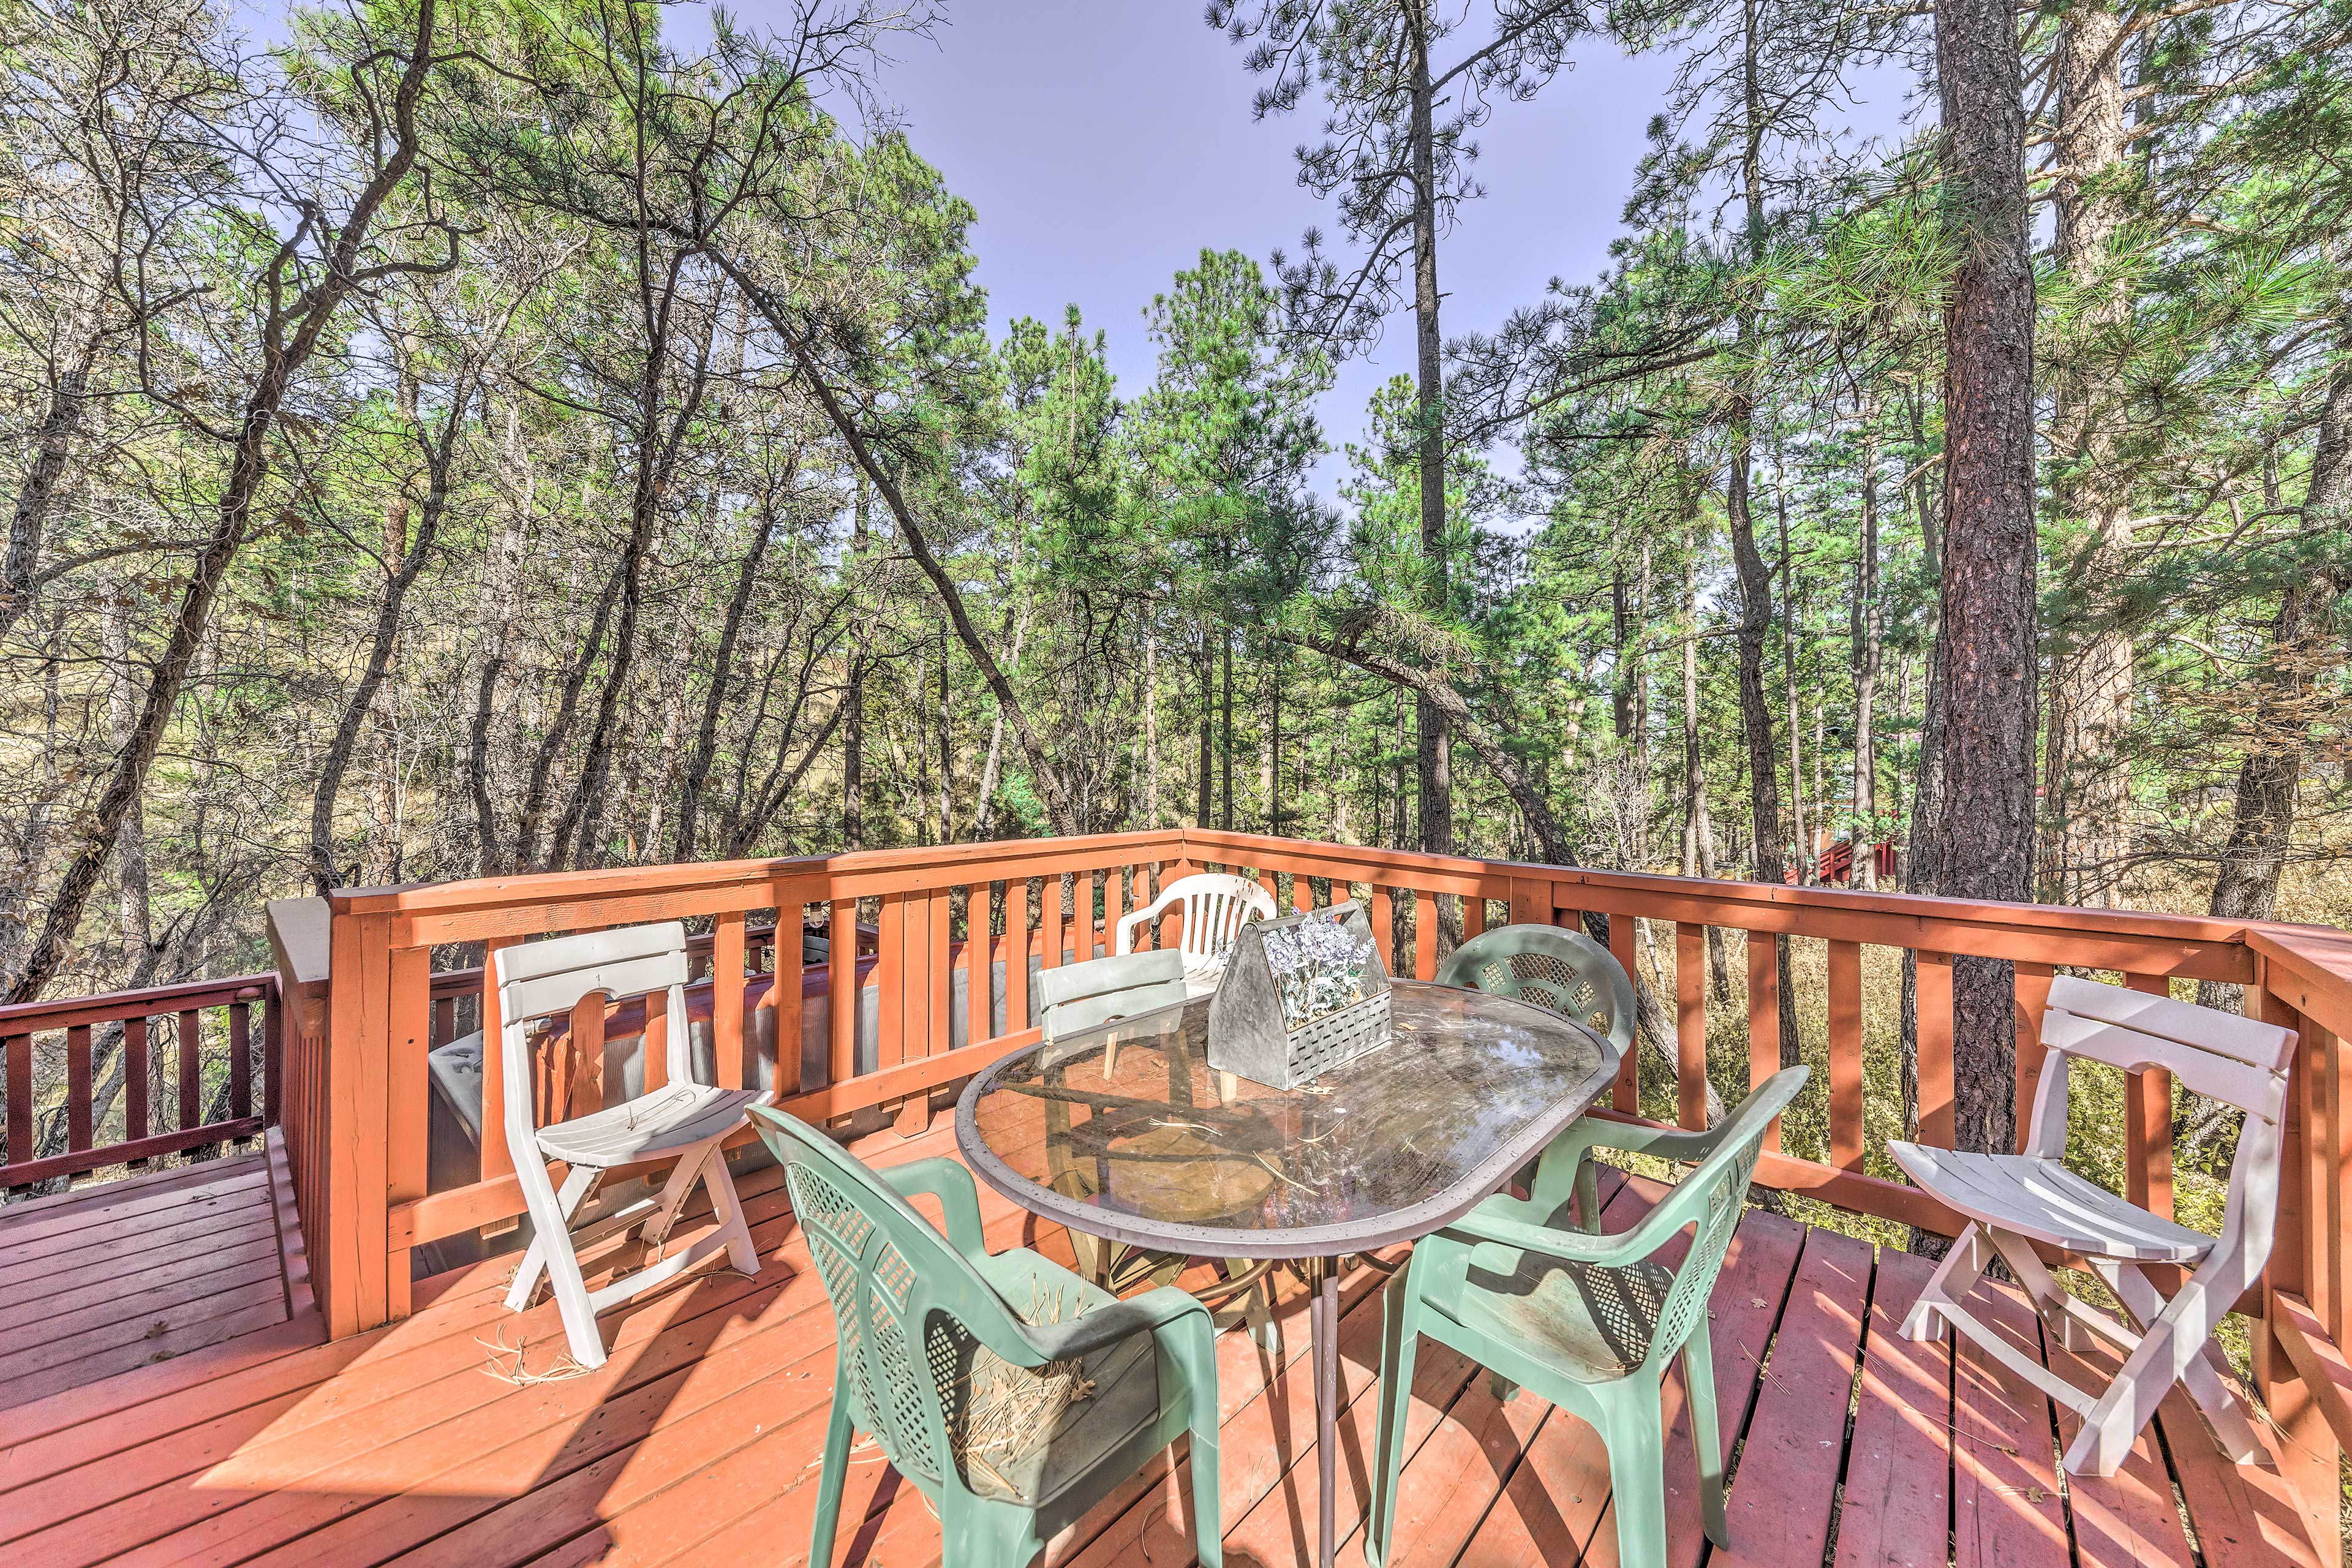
2311	967
636	881
71	1012
2122	922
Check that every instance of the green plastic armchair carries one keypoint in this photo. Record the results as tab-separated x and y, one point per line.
1011	1392
1565	972
1588	1322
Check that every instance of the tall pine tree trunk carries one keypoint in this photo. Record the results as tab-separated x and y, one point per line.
2303	644
2087	812
1975	837
1433	748
1868	634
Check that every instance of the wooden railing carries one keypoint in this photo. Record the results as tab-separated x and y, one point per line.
79	1075
986	910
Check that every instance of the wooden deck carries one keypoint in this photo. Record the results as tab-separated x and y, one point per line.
100	1281
697	1442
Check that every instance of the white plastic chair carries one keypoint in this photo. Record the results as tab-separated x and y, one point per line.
2015	1200
682	1119
1216	907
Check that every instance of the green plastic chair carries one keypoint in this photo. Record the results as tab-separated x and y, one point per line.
1588	1322
937	1341
1563	971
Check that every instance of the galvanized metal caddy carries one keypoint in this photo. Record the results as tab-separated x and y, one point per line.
1249	1035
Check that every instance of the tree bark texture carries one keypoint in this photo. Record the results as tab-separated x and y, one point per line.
2088	837
1979	837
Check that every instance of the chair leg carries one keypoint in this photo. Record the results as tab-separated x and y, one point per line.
2202	1378
1399	1341
564	1277
2049	1299
683	1170
1706	1438
1962	1266
2114	1423
1194	1345
986	1534
835	1474
1257	1307
742	1256
576	1187
1634	1430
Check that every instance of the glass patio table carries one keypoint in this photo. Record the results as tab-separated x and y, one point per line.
1125	1132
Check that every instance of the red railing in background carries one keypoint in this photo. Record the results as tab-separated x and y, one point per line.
80	1074
938	911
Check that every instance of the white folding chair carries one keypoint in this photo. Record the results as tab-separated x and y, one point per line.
682	1121
1216	906
2013	1201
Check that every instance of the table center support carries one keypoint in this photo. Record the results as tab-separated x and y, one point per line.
1323	1315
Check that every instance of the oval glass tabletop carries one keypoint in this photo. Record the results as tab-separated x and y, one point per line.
1124	1131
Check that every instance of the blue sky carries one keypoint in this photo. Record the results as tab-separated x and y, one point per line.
1105	142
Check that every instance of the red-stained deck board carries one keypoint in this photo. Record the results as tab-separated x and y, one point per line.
22	1305
2128	1518
1746	1310
2244	1514
697	1443
1779	1511
2006	1507
1897	1501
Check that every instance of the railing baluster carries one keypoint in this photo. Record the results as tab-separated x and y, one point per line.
1049	923
1933	973
2322	1222
727	1037
1017	954
1474	917
782	999
1845	1055
77	1088
1384	924
1424	935
20	1049
1690	1025
134	1080
497	1161
2147	1122
937	976
843	999
240	1060
1625	1095
1764	1018
191	1078
409	1002
2032	988
572	1083
978	952
890	982
273	1059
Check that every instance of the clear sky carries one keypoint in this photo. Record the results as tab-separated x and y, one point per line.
1105	142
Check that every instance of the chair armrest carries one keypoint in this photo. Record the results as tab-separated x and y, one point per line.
1566	1163
1639	1138
1494	1221
1123	940
1149	1312
949	1183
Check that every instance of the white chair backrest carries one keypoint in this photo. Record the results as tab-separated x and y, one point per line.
540	979
1216	906
2240	1062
